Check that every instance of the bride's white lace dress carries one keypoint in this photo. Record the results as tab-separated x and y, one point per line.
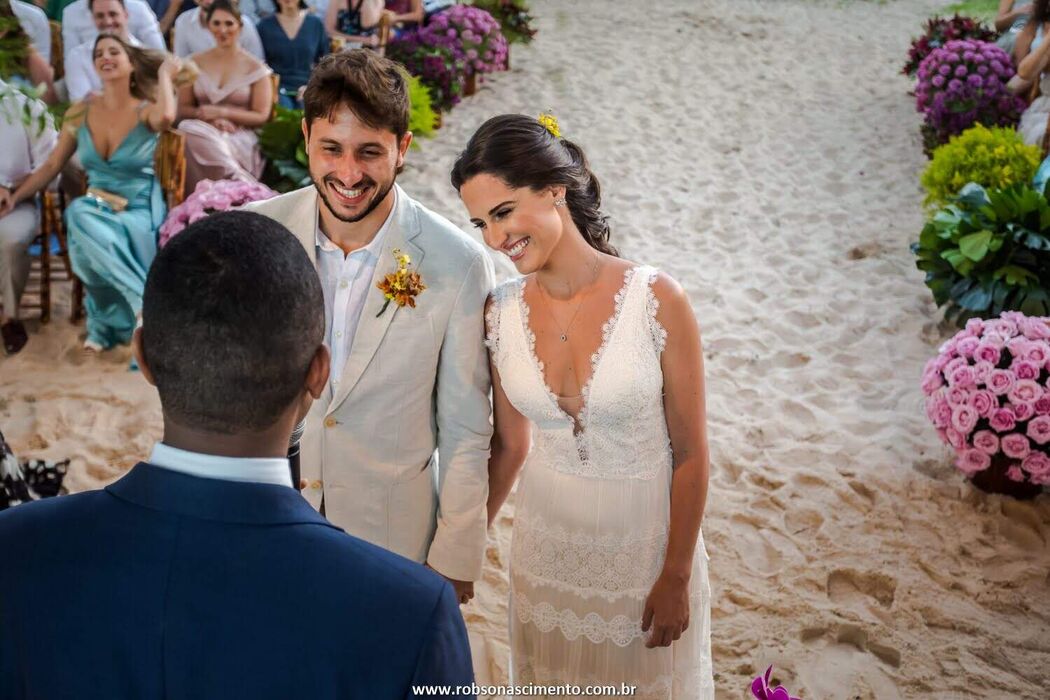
592	510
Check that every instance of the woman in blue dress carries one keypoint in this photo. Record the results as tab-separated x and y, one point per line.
112	230
294	41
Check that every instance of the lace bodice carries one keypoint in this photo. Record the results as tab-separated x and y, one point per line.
621	431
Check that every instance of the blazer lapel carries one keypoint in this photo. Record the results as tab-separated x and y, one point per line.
301	219
372	327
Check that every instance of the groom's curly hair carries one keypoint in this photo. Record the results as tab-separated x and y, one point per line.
374	88
232	316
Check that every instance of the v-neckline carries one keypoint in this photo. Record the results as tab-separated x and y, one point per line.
298	31
578	423
94	146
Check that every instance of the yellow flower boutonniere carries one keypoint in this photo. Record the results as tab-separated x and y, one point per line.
403	286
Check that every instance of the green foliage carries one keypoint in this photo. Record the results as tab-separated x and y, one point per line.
994	158
978	9
14	48
30	117
989	252
513	17
422	118
282	144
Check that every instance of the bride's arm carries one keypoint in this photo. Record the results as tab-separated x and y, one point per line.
667	608
510	445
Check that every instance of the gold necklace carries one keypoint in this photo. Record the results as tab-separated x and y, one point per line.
543	293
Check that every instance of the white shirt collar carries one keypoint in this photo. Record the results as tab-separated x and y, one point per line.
324	243
260	470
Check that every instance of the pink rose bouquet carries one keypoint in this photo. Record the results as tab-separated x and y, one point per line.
209	197
988	396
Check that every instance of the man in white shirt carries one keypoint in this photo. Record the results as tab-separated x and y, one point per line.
78	25
81	77
34	22
26	145
192	35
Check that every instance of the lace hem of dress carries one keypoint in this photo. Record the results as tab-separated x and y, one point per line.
659	688
610	566
621	630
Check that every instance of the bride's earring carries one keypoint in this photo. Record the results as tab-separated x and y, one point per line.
559	202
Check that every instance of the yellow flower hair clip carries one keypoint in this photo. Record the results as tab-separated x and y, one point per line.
550	123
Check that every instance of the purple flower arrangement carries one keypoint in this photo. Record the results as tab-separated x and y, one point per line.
964	83
940	30
761	690
987	395
209	197
472	35
435	65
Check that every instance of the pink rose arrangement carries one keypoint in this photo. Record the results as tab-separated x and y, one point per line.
209	197
987	394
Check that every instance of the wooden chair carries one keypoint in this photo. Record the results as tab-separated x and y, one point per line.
57	58
48	257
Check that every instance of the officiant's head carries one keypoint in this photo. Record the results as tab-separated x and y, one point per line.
232	335
355	120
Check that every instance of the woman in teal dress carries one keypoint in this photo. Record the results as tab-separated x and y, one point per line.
112	230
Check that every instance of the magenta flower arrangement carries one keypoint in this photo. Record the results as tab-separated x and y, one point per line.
987	395
472	35
761	690
435	64
209	197
964	83
940	30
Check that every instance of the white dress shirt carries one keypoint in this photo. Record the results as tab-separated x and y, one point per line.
34	22
78	27
25	146
193	37
81	77
346	281
255	470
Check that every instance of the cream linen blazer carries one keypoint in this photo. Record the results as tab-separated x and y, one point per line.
415	388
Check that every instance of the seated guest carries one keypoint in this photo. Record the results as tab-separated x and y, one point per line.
1031	55
193	35
1010	20
230	98
405	13
112	230
34	22
294	41
78	25
255	11
354	21
24	66
27	143
203	574
111	17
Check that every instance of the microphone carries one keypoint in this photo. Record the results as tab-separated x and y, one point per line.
293	453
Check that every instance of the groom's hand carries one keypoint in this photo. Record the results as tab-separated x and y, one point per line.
464	589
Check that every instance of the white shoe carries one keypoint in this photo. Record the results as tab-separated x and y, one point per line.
92	346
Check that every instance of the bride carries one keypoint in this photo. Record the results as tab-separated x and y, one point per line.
596	362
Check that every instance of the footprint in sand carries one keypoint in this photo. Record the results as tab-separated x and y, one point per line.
849	586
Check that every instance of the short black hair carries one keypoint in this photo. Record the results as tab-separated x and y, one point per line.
232	316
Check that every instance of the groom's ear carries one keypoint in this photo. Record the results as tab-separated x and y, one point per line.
402	148
306	132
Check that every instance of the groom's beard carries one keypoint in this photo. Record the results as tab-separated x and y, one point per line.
375	201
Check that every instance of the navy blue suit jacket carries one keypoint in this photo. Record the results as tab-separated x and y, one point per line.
165	585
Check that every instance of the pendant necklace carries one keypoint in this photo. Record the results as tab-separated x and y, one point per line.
565	331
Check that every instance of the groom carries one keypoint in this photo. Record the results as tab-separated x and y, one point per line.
409	374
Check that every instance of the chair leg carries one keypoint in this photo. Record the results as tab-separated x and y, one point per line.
45	273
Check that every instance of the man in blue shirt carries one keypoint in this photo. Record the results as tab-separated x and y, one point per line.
203	573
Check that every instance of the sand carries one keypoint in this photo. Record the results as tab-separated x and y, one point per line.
766	154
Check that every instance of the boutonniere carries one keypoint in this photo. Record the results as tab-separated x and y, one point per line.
403	286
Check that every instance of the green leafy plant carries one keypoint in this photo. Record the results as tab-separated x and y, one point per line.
513	17
989	252
994	158
422	118
14	46
282	144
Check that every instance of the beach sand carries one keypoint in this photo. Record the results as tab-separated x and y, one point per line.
766	154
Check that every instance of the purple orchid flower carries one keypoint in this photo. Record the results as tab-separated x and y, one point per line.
761	690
